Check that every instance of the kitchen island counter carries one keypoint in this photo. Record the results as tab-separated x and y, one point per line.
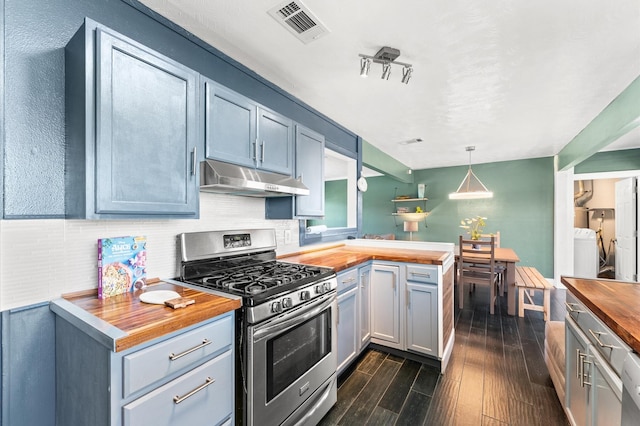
344	256
123	321
615	303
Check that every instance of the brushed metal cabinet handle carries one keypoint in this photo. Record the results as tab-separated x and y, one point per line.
204	343
208	382
570	307
193	161
596	335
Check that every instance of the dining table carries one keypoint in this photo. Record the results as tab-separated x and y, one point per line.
509	258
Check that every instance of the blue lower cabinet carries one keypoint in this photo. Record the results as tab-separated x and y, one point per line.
348	336
186	378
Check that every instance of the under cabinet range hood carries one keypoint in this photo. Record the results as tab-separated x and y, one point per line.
225	178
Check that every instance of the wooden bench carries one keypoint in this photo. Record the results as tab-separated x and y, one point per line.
528	281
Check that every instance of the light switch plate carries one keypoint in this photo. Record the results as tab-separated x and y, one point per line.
287	236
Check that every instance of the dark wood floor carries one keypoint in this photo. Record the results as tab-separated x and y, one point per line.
496	376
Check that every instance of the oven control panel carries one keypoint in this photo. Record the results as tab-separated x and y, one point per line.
291	300
236	240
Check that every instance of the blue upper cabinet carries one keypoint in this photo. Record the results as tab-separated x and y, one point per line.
138	158
230	126
239	131
275	139
310	169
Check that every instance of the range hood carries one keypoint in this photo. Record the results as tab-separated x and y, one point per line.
225	178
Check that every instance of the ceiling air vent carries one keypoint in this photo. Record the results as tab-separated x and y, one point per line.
299	20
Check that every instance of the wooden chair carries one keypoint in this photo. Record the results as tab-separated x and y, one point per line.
477	266
501	268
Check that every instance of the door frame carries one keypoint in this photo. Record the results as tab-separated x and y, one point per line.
563	216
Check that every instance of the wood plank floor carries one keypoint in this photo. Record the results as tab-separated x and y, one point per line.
496	376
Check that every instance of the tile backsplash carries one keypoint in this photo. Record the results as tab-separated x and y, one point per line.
44	258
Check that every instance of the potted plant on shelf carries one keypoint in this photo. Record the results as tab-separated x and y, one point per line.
474	227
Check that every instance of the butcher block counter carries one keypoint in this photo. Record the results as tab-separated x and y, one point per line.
123	321
345	256
615	303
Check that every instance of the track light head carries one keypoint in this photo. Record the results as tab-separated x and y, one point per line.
365	64
386	70
406	74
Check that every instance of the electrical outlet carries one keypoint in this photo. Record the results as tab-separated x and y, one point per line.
287	236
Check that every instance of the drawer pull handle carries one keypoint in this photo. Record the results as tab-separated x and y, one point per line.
178	399
348	280
570	307
204	343
596	335
418	274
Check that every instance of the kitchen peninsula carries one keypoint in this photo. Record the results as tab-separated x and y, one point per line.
393	294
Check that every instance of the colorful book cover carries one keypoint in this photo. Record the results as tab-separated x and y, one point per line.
122	265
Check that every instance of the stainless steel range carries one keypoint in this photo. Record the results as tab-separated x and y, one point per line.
286	331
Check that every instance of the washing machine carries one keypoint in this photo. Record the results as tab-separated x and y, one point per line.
586	259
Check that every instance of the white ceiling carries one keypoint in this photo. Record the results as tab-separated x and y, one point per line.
517	79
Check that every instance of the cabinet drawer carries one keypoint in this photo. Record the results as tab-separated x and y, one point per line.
207	404
605	341
423	274
347	279
149	365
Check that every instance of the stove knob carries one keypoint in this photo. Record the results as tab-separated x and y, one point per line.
327	286
276	307
320	289
287	303
305	295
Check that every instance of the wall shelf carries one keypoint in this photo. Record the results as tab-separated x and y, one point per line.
410	216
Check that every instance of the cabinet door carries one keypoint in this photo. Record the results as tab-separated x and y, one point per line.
364	282
147	131
422	318
310	169
347	327
576	371
385	303
606	389
275	142
230	126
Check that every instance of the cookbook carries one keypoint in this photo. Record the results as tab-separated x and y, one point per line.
122	265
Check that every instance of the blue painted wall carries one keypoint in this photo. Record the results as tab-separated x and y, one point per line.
521	209
28	366
36	32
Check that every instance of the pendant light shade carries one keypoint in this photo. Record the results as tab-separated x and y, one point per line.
471	188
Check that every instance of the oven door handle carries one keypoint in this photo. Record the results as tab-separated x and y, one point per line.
299	317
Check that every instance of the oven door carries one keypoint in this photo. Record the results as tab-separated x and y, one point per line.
290	357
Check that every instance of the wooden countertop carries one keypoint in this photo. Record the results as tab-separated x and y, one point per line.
135	322
346	256
616	303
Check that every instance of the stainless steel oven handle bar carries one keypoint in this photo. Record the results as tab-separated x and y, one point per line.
297	317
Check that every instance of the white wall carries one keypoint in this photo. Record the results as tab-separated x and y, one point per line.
42	259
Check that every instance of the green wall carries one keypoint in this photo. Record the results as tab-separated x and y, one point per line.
521	208
335	205
609	161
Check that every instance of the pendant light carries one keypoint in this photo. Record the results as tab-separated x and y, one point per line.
471	187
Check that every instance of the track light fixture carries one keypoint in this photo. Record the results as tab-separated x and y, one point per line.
385	56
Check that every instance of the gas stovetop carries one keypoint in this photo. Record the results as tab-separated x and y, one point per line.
253	278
